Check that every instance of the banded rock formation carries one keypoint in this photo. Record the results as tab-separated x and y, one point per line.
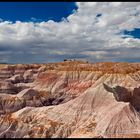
71	99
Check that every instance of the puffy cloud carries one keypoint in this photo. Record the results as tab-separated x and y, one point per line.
83	35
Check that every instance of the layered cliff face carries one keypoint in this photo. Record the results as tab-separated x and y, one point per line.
70	99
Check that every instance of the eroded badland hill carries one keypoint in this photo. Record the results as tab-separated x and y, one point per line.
70	99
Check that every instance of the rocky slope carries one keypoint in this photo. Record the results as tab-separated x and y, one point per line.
70	99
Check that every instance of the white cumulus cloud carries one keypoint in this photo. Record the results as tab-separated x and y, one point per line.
83	35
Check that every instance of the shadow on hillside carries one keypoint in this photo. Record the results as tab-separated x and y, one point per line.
122	94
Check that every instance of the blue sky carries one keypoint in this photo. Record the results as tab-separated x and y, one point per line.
41	32
135	33
41	11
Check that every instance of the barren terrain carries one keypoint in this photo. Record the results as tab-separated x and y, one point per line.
71	99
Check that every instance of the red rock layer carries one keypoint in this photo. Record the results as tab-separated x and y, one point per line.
70	99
